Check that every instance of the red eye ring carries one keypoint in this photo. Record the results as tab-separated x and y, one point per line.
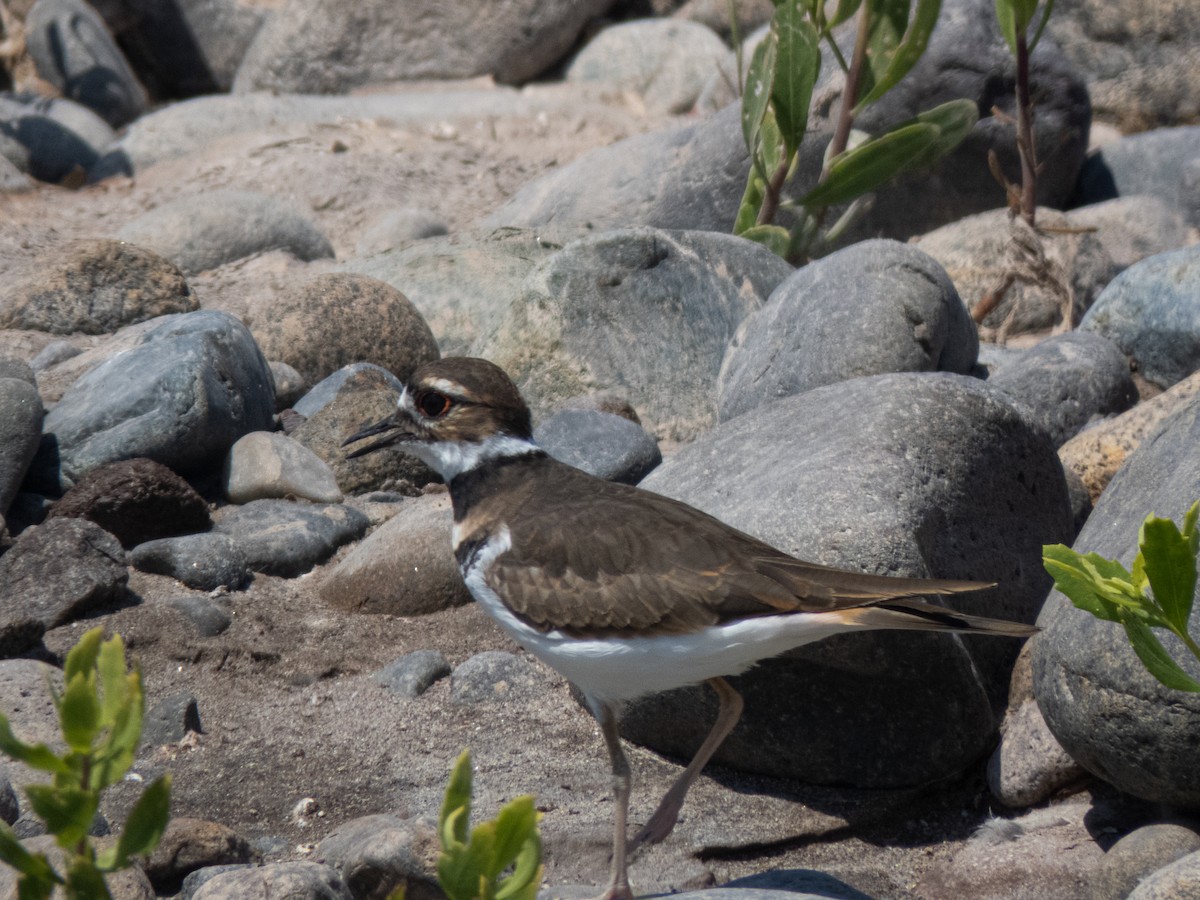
432	404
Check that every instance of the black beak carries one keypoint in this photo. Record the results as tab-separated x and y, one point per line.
397	429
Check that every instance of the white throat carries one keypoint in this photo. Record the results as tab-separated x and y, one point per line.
452	458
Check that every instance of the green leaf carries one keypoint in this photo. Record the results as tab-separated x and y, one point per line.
13	852
844	10
1189	527
38	756
526	877
115	756
456	804
81	660
1170	567
1006	18
79	712
953	120
515	822
756	96
144	827
113	683
1037	34
871	164
796	70
892	59
752	199
1156	659
84	880
67	811
774	237
1076	581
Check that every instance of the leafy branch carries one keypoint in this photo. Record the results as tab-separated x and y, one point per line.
784	69
100	713
1157	593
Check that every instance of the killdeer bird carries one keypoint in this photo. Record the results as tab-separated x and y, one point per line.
622	591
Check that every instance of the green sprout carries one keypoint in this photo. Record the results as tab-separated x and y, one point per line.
100	713
1158	593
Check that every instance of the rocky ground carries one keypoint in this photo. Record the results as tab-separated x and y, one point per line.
312	663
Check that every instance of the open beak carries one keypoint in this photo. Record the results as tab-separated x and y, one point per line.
396	428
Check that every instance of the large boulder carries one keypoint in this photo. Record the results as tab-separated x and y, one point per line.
1109	713
908	474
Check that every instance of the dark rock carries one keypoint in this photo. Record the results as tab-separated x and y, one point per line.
908	474
135	500
405	568
1139	854
292	880
51	139
209	618
1067	381
191	385
425	39
73	50
191	844
1154	162
94	287
337	319
10	807
1152	312
170	719
25	510
54	574
363	398
642	312
204	562
378	854
207	230
607	446
495	676
412	674
20	431
872	308
1109	713
287	539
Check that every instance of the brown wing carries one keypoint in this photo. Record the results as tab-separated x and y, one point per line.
592	556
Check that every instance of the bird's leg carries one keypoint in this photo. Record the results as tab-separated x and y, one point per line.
665	817
618	883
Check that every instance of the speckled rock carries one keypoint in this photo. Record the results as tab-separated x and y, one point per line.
278	537
291	880
21	416
204	562
378	854
1138	855
412	674
189	844
1177	881
495	676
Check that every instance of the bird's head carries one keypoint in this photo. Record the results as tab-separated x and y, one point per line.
453	414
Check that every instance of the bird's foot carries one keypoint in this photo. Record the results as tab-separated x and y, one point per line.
661	824
615	892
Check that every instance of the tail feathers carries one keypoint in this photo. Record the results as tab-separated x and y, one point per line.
919	615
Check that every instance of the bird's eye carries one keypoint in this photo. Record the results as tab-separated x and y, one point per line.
433	404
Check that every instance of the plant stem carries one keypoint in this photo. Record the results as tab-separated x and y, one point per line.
841	133
1026	148
774	192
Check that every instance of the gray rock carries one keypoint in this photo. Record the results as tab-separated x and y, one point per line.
781	884
642	312
694	177
365	397
1177	881
170	719
195	880
1154	162
337	319
14	367
324	391
397	227
287	539
1109	713
495	676
1134	227
872	308
604	445
974	252
208	618
1139	854
21	416
266	464
52	354
412	674
57	573
51	139
136	500
405	568
667	62
191	385
291	880
10	807
305	48
1152	312
463	283
26	696
190	844
94	287
204	562
290	385
1029	764
1067	381
204	231
73	50
12	179
908	474
377	854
